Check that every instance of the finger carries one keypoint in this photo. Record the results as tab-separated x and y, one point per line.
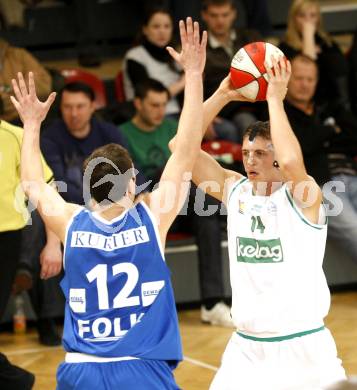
173	53
204	40
32	86
22	84
196	34
17	91
288	68
48	103
183	34
275	67
282	66
189	29
268	70
15	103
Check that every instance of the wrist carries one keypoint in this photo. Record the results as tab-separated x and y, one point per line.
275	101
32	125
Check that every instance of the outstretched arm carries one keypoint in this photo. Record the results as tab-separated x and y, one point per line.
54	211
287	150
167	200
206	168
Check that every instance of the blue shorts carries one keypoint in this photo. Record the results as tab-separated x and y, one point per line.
129	374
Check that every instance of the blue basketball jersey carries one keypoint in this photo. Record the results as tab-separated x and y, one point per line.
119	298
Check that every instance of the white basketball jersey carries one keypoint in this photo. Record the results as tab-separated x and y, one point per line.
276	255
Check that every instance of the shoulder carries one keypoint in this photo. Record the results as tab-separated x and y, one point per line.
136	53
170	124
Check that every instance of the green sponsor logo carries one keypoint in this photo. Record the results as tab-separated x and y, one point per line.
250	250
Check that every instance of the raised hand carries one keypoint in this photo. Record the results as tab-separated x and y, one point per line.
278	78
27	104
193	49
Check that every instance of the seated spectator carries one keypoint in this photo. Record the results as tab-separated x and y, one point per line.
71	139
150	59
329	142
223	42
12	61
305	34
13	218
148	134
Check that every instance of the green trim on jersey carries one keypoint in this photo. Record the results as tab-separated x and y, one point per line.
281	338
240	181
302	217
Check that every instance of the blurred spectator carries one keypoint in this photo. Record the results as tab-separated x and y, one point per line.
70	140
12	61
353	60
13	218
223	42
329	142
150	59
305	34
40	262
148	135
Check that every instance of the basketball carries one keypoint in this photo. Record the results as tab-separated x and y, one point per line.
248	73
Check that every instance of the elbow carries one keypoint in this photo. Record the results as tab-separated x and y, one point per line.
289	165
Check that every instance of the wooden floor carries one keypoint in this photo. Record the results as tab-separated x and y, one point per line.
203	347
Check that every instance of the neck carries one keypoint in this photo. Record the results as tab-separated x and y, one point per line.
265	188
115	209
223	38
142	124
81	133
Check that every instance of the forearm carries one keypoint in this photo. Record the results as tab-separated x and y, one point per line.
31	165
286	145
51	238
189	135
211	108
308	46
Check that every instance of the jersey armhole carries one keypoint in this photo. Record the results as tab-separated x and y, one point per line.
70	221
155	226
322	212
234	187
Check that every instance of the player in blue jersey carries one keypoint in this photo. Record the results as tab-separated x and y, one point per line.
121	328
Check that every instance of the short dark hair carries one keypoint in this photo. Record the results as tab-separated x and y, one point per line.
216	3
77	86
258	129
122	162
305	58
143	88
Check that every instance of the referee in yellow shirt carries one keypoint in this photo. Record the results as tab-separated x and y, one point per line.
13	218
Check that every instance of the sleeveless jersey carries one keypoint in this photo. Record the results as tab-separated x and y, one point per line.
119	298
276	255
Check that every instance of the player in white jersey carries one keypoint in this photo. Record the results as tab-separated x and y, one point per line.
276	238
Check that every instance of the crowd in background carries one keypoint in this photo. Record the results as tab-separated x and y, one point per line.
321	105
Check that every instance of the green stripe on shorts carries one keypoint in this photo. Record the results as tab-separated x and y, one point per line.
281	338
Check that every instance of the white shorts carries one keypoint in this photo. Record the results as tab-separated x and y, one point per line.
309	362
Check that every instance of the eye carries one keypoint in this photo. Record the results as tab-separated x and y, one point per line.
260	153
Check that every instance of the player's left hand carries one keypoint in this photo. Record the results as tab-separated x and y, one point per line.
27	104
278	78
50	260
